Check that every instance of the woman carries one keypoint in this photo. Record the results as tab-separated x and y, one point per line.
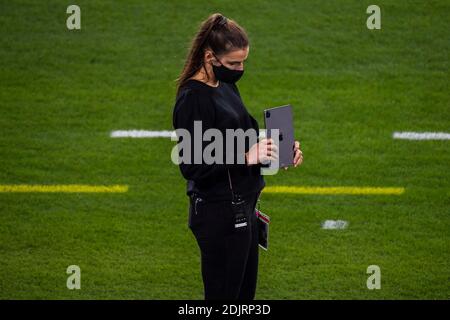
223	196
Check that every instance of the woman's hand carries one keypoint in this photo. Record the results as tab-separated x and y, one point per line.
262	152
298	155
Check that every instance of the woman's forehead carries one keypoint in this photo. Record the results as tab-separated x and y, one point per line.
237	55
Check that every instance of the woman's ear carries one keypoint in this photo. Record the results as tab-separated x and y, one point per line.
210	58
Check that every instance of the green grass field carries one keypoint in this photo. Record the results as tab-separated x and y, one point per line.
62	92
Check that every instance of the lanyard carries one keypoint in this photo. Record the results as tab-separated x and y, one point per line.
231	186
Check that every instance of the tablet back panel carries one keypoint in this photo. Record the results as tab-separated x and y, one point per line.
281	118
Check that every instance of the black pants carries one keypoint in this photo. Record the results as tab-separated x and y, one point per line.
229	259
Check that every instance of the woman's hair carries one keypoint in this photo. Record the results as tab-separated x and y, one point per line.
217	33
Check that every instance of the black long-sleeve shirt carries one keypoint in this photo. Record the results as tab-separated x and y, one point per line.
220	108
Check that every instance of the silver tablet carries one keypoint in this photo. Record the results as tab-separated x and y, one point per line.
281	118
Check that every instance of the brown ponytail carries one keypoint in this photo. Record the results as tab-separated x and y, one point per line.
217	33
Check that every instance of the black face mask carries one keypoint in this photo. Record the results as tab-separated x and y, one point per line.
225	74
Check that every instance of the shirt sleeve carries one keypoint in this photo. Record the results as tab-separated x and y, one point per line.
192	106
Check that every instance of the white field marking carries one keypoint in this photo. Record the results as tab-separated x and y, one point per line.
421	135
141	134
262	134
334	224
155	134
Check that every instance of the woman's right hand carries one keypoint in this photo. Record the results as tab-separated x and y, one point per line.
262	152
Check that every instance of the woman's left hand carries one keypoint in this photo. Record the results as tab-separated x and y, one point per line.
298	155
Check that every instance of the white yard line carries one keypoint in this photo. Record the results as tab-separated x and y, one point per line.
141	134
407	135
334	224
154	134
